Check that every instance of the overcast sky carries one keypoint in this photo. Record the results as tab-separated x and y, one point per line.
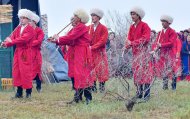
60	12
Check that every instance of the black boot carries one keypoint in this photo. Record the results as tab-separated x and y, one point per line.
73	82
147	92
174	83
80	94
28	93
94	89
19	93
165	83
38	85
77	96
88	95
102	87
139	93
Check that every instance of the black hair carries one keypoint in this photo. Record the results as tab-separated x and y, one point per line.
112	33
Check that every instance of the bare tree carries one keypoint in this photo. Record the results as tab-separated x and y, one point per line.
119	24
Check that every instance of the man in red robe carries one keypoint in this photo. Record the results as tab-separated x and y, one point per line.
80	56
177	62
164	45
138	39
22	37
36	48
99	35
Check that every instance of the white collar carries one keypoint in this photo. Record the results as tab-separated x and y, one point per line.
95	26
22	28
164	29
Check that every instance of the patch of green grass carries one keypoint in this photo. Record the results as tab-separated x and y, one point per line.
51	104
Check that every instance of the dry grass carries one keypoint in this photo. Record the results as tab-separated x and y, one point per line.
51	104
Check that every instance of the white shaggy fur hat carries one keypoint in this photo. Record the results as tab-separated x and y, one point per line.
35	18
25	13
97	12
167	18
139	11
80	13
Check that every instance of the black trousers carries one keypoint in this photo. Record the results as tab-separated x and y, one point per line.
143	88
29	91
101	87
173	84
165	83
147	90
73	82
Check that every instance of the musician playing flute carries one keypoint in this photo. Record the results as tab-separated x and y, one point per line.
22	37
80	60
165	43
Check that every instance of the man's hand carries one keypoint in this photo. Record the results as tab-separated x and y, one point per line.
177	55
54	38
155	55
152	52
8	39
3	44
158	45
123	51
50	39
128	42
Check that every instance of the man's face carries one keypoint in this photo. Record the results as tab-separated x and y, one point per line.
95	18
135	17
111	36
181	33
75	20
186	34
165	24
152	34
188	38
24	20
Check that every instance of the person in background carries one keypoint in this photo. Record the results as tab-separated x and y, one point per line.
153	35
36	47
185	53
177	62
185	34
111	37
